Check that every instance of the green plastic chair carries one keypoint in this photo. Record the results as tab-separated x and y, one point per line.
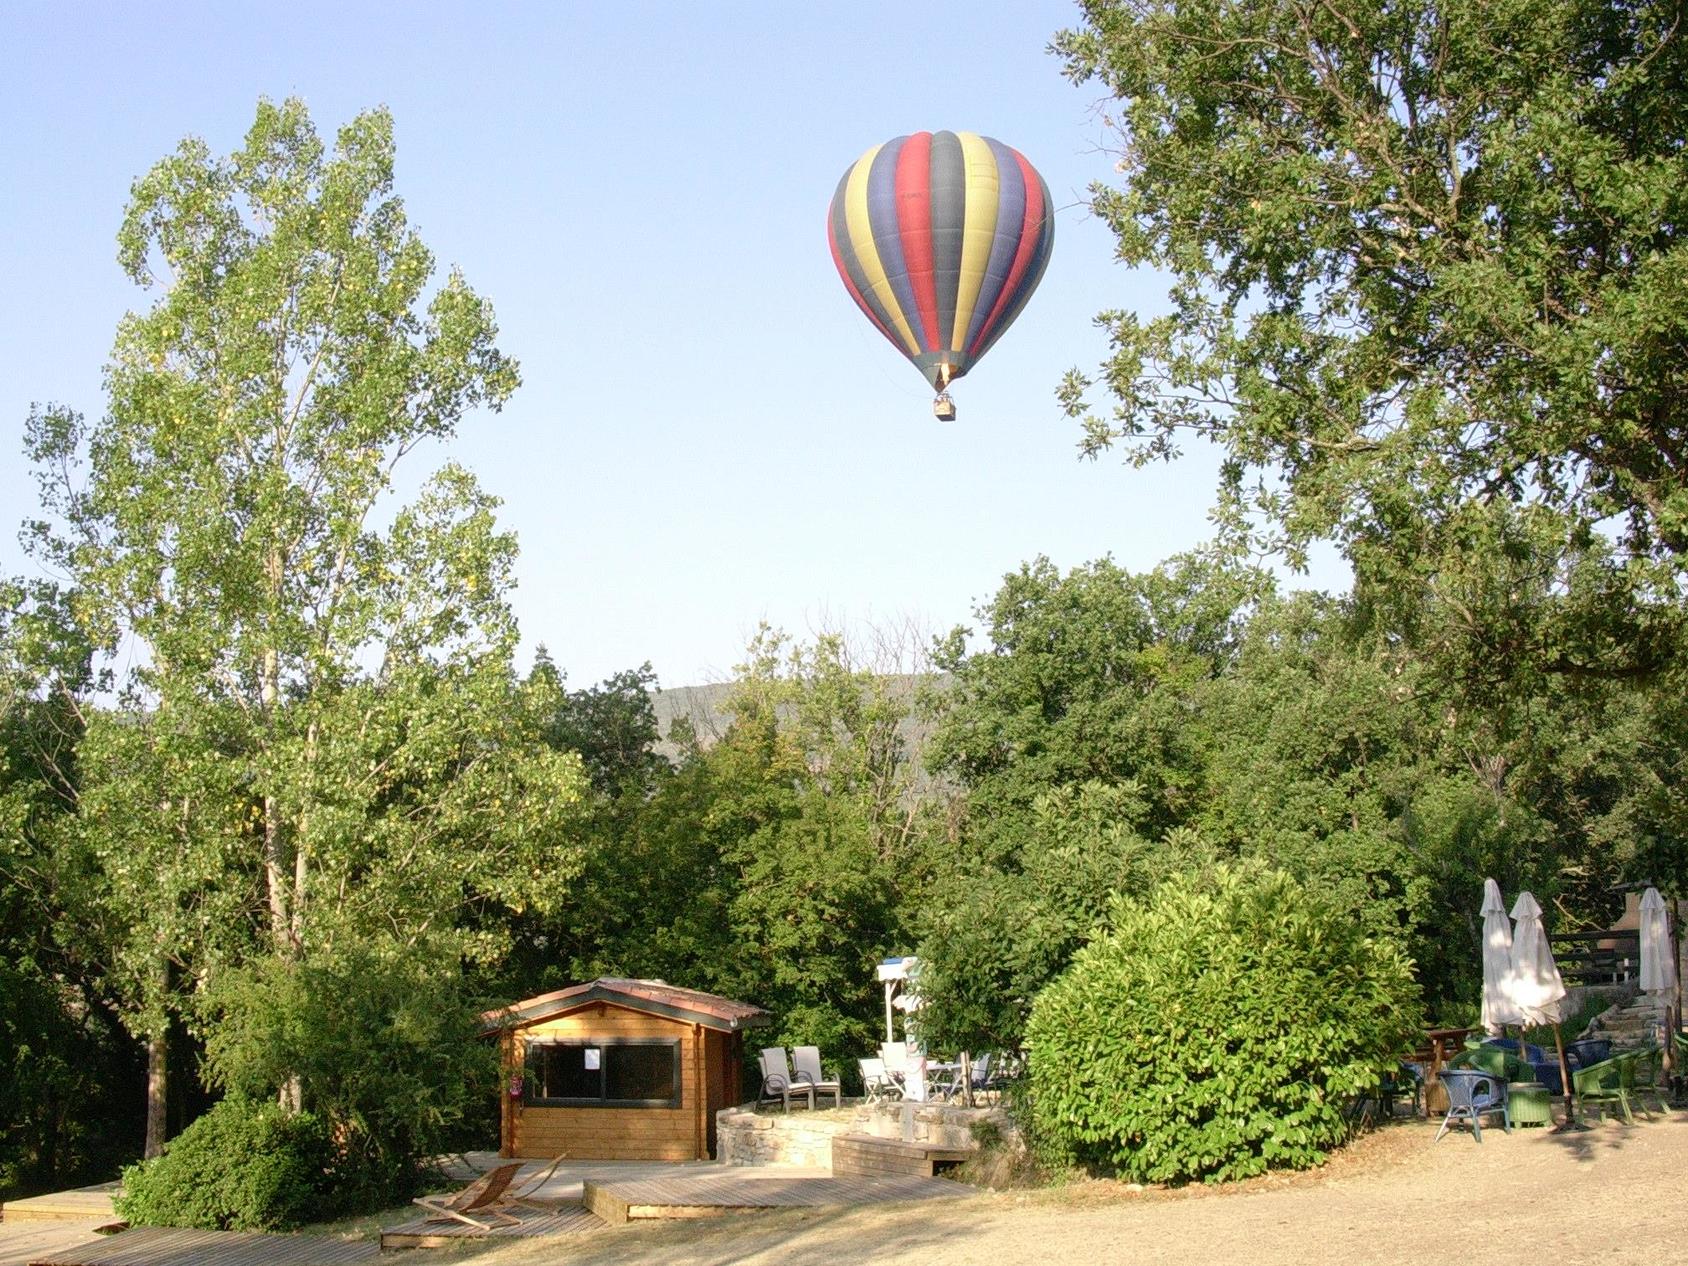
1609	1080
1650	1074
1494	1060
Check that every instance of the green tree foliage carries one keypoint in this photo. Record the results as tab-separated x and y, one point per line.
1423	257
612	727
388	1053
65	1065
1216	1030
822	834
1379	755
321	740
240	1167
1068	687
1074	731
773	863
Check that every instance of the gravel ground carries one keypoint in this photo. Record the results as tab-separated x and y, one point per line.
1615	1194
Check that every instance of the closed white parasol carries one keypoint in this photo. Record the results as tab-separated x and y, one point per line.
1498	1007
1658	967
1658	963
1533	983
1535	988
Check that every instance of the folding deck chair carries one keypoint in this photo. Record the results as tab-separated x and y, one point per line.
484	1197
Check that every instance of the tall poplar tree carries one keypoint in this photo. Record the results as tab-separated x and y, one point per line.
321	740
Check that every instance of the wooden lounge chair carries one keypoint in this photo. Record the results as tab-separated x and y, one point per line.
530	1189
482	1198
807	1062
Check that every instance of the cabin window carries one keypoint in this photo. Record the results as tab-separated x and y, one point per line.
612	1073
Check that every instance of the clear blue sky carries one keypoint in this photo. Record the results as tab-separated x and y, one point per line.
709	434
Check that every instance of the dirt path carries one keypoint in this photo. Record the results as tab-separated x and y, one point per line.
1615	1194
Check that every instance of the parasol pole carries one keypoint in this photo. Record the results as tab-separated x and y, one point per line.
1570	1122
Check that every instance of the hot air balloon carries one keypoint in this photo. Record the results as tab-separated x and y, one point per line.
941	237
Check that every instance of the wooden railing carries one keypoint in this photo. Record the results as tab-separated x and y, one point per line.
1597	958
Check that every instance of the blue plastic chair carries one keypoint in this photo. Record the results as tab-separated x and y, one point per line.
1590	1050
1472	1095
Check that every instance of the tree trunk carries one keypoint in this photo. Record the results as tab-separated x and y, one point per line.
158	1068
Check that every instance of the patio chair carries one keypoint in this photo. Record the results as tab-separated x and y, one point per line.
1406	1081
483	1198
806	1063
1588	1050
530	1189
876	1082
1531	1054
1472	1095
777	1081
1608	1081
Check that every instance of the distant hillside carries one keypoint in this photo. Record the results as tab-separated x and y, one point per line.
706	708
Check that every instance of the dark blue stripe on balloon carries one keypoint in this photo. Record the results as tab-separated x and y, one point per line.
853	265
1033	274
949	209
882	218
1010	220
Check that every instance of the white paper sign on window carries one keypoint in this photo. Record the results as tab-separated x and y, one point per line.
592	1056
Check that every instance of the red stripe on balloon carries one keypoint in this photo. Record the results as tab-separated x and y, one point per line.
1031	231
914	227
844	273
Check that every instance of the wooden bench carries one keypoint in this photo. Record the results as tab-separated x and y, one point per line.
867	1156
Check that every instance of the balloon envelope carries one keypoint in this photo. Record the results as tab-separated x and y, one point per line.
941	237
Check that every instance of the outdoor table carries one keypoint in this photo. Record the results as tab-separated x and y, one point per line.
1441	1043
943	1078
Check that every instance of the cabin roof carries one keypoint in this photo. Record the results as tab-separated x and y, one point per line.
654	996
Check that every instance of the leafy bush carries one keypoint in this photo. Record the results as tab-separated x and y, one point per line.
383	1048
1218	1030
240	1167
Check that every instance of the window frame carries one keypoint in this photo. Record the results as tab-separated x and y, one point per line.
531	1097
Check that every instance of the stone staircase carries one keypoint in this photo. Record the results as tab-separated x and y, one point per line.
1627	1025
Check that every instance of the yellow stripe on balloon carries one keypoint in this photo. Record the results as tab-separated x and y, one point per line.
867	252
978	228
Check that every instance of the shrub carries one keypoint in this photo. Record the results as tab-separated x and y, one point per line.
1217	1030
240	1167
383	1047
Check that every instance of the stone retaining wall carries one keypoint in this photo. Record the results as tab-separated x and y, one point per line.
745	1136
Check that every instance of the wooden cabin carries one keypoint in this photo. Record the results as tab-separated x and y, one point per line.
619	1070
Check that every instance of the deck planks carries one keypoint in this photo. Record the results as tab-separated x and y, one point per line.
569	1219
76	1205
167	1246
617	1202
25	1242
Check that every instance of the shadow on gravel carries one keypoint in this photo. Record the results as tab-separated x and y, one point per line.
1606	1131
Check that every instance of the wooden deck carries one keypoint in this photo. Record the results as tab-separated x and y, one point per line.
77	1205
24	1242
569	1219
163	1246
716	1196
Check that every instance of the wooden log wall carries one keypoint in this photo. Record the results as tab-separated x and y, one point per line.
671	1134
